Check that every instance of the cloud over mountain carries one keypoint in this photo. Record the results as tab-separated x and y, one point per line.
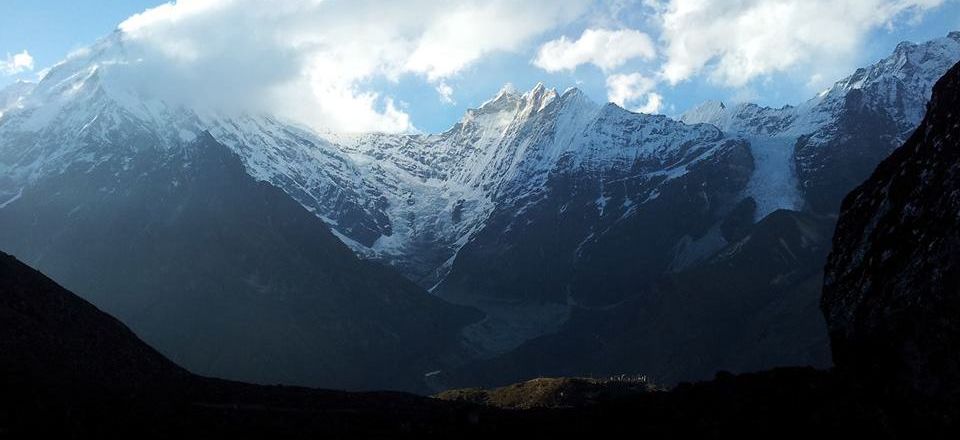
16	63
350	66
315	60
603	48
734	42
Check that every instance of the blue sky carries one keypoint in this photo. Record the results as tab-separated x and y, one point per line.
49	29
724	64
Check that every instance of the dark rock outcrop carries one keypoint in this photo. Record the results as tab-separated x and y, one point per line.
892	283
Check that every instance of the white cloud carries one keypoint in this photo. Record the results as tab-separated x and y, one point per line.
606	49
653	104
472	29
737	41
623	88
16	63
445	92
626	89
317	61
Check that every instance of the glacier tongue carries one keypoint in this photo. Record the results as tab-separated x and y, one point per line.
774	183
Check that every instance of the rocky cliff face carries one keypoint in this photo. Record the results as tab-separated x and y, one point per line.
892	284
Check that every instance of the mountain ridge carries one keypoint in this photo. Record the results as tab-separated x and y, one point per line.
536	202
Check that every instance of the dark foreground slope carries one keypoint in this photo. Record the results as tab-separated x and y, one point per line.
50	338
892	285
69	370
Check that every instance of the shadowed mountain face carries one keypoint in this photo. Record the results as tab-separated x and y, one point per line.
69	370
766	311
226	275
892	285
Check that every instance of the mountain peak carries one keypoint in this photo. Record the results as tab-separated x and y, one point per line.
707	112
509	99
539	88
539	97
575	97
508	89
571	91
507	96
907	73
914	66
904	47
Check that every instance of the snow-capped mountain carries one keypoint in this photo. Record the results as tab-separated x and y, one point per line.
12	96
134	204
440	189
411	200
415	200
721	269
566	221
888	99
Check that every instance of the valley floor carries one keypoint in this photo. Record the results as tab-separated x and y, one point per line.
784	403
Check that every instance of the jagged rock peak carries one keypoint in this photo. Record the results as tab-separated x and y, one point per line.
539	97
